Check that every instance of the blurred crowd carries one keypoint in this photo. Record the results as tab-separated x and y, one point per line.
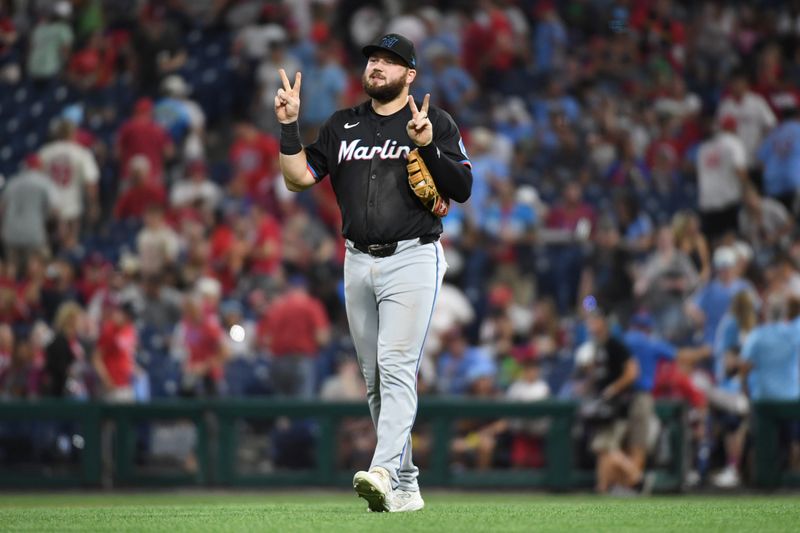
631	232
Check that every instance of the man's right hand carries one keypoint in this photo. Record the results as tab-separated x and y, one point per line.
287	101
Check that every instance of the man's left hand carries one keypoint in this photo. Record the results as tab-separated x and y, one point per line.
419	128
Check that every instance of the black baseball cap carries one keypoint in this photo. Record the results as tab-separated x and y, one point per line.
396	44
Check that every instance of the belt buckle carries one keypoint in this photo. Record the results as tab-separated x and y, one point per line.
381	250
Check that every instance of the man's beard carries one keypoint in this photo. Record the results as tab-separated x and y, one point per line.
385	93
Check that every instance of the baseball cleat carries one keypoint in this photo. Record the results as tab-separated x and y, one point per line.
374	486
404	501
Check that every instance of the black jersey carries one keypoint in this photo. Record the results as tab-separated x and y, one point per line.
365	155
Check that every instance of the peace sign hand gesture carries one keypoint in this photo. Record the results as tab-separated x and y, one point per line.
287	101
419	128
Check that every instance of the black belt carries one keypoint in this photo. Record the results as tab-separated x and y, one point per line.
385	250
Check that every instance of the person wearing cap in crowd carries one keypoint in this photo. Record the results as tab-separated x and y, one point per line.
721	174
141	134
649	351
365	150
26	204
709	303
182	117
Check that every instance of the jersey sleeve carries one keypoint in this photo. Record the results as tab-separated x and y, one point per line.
448	139
447	159
321	151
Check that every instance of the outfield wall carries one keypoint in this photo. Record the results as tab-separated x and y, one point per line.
238	443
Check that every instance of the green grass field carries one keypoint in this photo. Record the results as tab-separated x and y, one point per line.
320	512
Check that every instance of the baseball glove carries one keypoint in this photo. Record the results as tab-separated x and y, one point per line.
421	182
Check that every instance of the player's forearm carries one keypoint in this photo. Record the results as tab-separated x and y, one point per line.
295	172
453	179
294	164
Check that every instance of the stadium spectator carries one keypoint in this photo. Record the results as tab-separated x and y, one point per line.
196	189
457	361
764	223
19	379
93	66
182	117
254	164
161	302
690	240
293	330
612	373
476	441
26	204
728	394
65	355
158	49
114	357
497	334
74	173
452	310
666	279
527	436
6	350
10	71
752	114
771	363
721	174
709	303
264	241
550	38
157	244
606	274
509	225
141	134
571	222
635	224
650	352
327	93
139	191
50	43
199	343
780	155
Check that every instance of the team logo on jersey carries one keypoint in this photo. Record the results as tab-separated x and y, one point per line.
389	150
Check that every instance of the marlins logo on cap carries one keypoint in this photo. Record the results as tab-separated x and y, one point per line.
396	44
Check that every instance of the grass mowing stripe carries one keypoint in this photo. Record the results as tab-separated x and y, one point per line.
322	512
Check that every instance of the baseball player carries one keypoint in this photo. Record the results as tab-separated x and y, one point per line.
394	168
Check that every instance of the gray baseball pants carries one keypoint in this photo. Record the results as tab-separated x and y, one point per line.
389	302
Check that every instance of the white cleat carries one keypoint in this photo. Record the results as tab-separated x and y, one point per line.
727	478
404	501
374	486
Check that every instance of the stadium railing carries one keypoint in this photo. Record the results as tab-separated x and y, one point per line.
217	443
